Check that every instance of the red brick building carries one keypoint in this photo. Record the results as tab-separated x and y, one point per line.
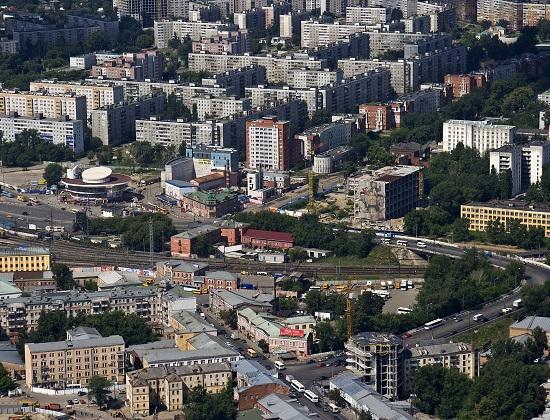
182	244
231	232
267	239
464	84
221	280
378	117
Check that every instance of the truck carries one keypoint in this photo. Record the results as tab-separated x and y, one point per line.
516	303
53	406
22	198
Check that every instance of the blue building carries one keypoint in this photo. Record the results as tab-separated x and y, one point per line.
213	158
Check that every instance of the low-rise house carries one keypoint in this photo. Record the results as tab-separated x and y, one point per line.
254	382
180	272
275	406
183	244
267	239
226	300
111	279
221	280
528	324
186	325
149	388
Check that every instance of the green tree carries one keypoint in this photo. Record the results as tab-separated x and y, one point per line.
297	254
229	317
98	389
204	406
53	174
6	382
63	276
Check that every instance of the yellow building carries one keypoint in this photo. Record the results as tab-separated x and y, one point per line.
148	388
73	362
24	259
531	216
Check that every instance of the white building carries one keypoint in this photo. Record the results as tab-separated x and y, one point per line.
175	133
480	135
268	144
367	15
508	158
534	156
544	97
62	131
165	30
29	104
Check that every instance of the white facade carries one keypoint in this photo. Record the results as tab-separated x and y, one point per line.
480	135
508	158
285	26
534	156
315	34
68	133
264	147
29	104
175	133
165	30
367	15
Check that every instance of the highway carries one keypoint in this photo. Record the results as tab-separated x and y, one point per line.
534	274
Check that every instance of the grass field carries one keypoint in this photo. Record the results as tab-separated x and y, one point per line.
483	337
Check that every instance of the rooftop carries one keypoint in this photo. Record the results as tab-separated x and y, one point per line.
369	337
240	298
211	197
113	340
192	323
439	349
532	322
483	123
512	204
283	408
196	232
24	250
269	235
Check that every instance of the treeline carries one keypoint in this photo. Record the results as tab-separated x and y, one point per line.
134	230
308	232
52	326
28	149
536	299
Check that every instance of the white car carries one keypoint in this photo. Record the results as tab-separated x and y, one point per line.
421	244
506	310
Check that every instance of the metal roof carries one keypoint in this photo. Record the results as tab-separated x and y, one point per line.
532	322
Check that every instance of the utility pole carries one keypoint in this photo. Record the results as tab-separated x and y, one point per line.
349	310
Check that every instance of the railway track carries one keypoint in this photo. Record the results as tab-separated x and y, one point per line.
74	254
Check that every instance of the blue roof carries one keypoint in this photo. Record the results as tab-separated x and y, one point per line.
178	183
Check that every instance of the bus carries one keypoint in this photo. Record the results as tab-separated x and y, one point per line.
432	324
384	294
297	386
279	365
403	310
333	408
251	353
314	288
310	395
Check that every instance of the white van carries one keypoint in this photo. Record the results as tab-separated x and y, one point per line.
280	365
479	318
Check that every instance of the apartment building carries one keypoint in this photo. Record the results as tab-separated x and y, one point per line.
150	388
289	24
268	144
426	44
459	356
320	139
508	158
61	130
231	42
261	96
387	193
528	214
165	30
97	95
378	359
315	33
143	66
29	104
303	78
115	124
544	97
381	42
211	204
74	361
209	106
519	14
432	66
34	31
24	259
399	71
175	133
277	67
8	46
367	15
442	16
482	135
464	84
378	117
291	334
236	80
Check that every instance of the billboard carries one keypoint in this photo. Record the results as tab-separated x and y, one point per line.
289	332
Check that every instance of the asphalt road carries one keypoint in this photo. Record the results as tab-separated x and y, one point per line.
41	215
464	321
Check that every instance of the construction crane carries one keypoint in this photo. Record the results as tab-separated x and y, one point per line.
349	310
310	192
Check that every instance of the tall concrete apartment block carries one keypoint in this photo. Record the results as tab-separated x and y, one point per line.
61	130
378	359
28	104
115	124
147	11
268	144
525	162
518	14
315	33
165	30
144	65
167	133
387	193
482	135
367	15
97	95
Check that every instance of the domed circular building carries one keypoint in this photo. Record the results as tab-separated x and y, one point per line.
95	185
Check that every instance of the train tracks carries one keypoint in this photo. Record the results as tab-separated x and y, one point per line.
76	255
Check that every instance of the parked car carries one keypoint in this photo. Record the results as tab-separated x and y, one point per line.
81	393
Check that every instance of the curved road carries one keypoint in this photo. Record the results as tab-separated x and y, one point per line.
534	274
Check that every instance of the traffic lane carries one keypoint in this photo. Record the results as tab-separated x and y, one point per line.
43	213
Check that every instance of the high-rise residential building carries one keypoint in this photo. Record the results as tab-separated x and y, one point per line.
387	193
508	158
517	13
176	133
482	135
165	30
147	11
378	359
320	139
62	131
367	15
534	156
268	144
315	33
231	42
74	361
97	95
145	65
29	104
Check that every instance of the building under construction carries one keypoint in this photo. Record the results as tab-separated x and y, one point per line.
378	358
